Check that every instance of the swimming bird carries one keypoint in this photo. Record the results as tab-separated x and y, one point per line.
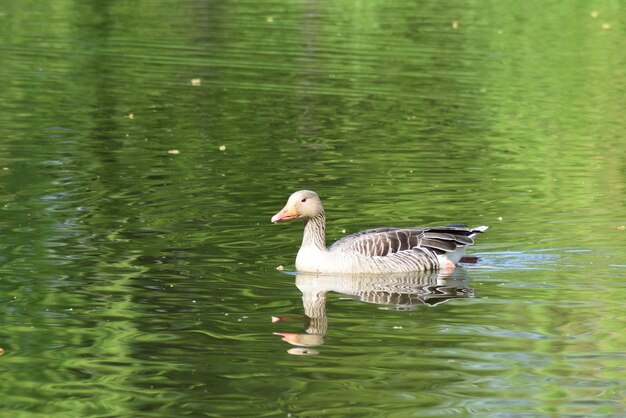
379	250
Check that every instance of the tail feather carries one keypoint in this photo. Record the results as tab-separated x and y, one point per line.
478	230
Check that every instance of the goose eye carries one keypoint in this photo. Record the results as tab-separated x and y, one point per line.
303	200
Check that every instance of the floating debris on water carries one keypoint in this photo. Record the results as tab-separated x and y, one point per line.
595	14
173	151
455	25
281	319
222	148
280	268
131	116
622	228
269	19
196	82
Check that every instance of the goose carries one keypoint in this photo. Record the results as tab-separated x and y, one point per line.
373	251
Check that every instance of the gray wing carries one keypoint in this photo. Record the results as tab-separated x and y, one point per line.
386	241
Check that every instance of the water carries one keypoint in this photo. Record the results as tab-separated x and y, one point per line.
144	148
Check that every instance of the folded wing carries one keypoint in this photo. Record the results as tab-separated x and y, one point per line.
388	241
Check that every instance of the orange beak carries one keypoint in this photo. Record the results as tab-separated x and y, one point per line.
285	214
288	337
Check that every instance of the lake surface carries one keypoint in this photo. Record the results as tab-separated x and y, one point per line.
144	147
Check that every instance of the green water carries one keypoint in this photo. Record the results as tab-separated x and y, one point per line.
144	147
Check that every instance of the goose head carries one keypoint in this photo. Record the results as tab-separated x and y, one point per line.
303	204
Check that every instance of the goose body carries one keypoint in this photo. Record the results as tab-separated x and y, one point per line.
379	250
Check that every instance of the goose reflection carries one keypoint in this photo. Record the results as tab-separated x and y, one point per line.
404	292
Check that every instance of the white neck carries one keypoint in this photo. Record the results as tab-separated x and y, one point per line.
315	233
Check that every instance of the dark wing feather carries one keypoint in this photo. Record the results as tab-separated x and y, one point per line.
443	245
385	241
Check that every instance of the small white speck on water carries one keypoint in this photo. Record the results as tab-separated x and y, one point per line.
343	231
280	268
397	327
499	218
193	301
222	148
